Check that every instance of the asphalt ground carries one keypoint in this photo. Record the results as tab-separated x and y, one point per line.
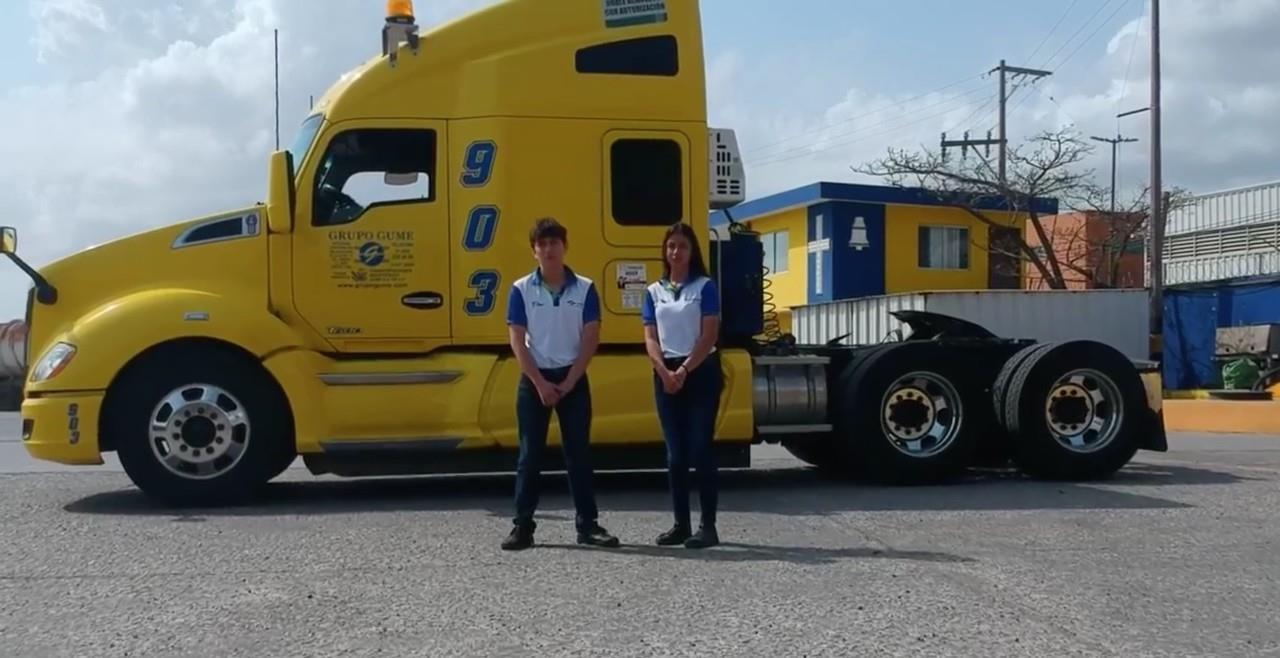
1177	556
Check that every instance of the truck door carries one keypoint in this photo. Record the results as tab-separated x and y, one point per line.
371	244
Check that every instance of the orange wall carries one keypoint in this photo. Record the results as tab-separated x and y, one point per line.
1078	239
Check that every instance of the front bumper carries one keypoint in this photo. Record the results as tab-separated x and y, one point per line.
63	427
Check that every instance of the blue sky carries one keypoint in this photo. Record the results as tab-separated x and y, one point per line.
17	52
146	112
912	45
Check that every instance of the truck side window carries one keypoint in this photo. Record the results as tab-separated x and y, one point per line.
647	180
643	56
370	167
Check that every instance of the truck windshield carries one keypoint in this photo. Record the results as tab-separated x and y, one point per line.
306	134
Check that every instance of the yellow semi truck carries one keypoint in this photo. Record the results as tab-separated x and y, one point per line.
356	318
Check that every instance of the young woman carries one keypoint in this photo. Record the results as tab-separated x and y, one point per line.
681	315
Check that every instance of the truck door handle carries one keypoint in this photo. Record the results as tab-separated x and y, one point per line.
425	299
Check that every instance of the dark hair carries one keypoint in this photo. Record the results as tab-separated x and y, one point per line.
548	228
696	265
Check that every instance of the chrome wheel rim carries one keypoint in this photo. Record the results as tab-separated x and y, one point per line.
1084	411
199	431
921	414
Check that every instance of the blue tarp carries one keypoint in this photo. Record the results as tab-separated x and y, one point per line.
1192	316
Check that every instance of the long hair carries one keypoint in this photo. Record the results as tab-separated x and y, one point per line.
696	265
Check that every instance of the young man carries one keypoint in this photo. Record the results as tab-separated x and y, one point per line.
553	317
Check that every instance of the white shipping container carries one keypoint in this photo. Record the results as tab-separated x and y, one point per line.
1119	318
1215	268
1254	204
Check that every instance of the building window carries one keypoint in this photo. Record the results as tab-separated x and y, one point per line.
646	182
944	247
775	251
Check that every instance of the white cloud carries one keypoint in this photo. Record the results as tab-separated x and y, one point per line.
165	111
1221	104
157	110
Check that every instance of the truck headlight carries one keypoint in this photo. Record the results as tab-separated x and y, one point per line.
52	362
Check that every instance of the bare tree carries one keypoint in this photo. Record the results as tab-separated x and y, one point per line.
1047	166
1095	248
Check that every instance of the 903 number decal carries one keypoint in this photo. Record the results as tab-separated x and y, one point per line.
481	226
477	163
485	283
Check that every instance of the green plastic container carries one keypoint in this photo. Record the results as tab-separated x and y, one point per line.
1239	374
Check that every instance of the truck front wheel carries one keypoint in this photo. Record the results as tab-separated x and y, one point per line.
199	427
907	416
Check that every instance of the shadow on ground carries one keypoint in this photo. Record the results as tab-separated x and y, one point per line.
739	552
784	491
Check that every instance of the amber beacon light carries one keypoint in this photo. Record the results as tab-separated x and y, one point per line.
400	9
399	27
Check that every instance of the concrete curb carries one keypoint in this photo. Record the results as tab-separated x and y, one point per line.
1227	416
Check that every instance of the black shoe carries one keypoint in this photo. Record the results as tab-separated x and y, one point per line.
598	536
519	539
676	535
706	538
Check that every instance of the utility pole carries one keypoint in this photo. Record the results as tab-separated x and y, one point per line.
1003	140
1159	200
1157	186
965	143
1115	143
1006	70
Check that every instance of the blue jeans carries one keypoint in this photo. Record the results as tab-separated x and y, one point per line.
688	422
533	418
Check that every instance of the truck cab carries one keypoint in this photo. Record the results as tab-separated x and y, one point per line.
356	317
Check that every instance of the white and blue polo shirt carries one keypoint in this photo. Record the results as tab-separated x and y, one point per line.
677	310
553	321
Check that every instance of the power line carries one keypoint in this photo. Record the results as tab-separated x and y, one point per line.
1101	25
1115	144
1086	40
976	111
1133	48
1078	31
951	102
758	149
1052	30
803	153
1003	140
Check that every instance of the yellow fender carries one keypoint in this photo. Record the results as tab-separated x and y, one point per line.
133	324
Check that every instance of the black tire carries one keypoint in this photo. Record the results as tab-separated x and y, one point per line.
996	448
821	451
284	459
1108	390
263	439
1000	388
864	438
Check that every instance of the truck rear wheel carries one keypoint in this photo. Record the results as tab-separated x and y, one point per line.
1000	389
996	449
906	416
1073	410
199	427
